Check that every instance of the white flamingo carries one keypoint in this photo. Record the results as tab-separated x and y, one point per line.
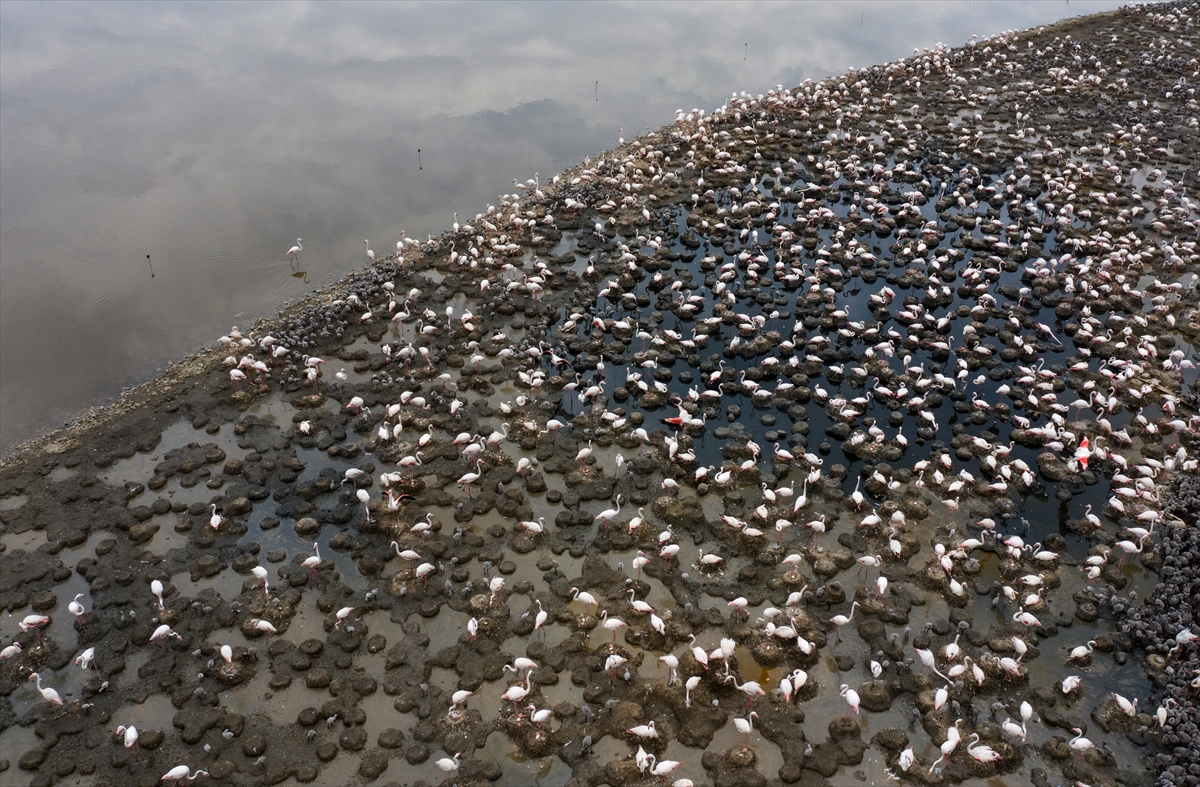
48	694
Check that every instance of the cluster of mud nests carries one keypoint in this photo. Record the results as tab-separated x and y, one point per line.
845	434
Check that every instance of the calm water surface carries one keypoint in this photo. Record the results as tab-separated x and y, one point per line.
157	161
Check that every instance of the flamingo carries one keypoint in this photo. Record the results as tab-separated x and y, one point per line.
311	564
691	683
665	767
495	438
928	659
264	626
539	717
1127	707
818	527
406	554
1079	743
643	730
294	257
851	697
699	653
261	574
540	621
522	664
48	694
130	735
1018	731
750	688
612	662
841	620
605	516
948	746
423	571
802	499
164	632
182	773
424	526
638	606
84	660
612	624
448	765
951	650
470	478
156	587
981	752
364	497
745	726
75	608
215	520
1129	548
459	698
1081	652
583	597
672	663
517	693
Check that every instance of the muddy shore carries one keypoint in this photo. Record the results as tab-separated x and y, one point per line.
828	378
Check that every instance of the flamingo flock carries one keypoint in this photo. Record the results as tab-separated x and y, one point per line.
754	306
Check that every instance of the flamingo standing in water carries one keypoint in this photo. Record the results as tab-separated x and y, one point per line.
612	624
1129	548
311	564
745	726
294	257
448	765
48	694
841	620
470	478
583	597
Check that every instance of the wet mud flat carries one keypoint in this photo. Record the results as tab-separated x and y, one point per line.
866	407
